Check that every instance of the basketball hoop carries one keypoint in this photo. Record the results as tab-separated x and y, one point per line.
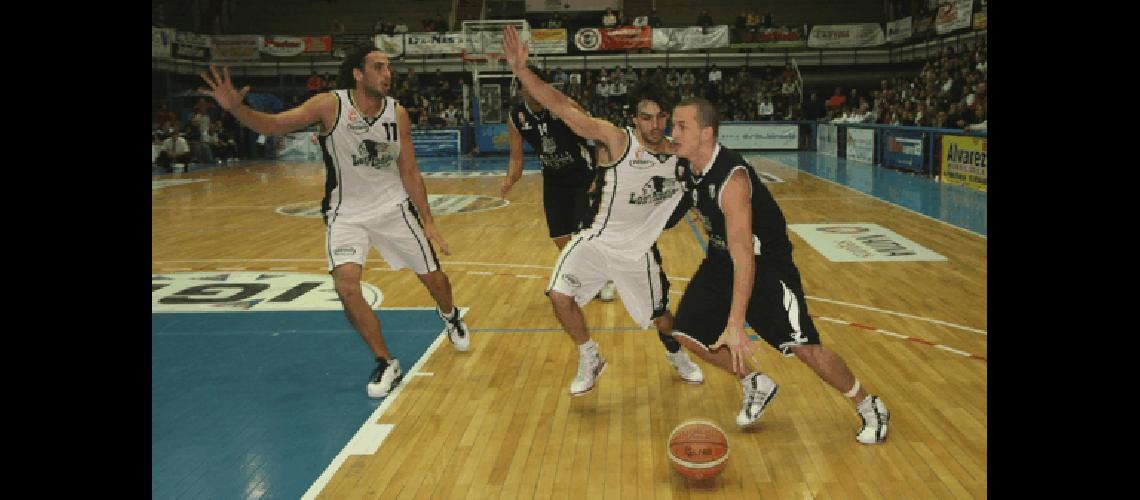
483	62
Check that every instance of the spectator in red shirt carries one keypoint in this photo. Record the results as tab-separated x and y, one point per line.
838	100
315	84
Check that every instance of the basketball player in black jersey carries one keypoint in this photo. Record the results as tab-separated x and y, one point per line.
749	256
567	168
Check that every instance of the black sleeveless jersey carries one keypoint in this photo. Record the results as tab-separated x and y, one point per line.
769	229
565	157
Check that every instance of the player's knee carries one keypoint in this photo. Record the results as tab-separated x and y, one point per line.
561	300
809	353
347	289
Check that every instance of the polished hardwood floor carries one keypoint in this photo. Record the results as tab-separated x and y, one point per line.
498	422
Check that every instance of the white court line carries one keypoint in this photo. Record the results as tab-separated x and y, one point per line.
370	433
904	315
531	276
483	273
867	195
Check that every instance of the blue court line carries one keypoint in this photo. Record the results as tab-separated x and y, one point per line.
697	234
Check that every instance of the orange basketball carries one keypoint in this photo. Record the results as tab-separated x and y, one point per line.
698	449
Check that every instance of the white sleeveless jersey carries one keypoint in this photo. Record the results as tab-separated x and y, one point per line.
360	161
638	194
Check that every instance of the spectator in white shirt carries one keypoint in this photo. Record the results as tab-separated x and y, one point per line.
609	20
175	149
673	79
714	74
765	109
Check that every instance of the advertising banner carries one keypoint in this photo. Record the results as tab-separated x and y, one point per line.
548	41
900	30
317	44
759	136
191	46
862	242
436	142
953	15
576	5
434	43
623	38
826	140
392	45
235	47
161	41
299	146
692	37
963	161
281	46
860	144
846	36
903	149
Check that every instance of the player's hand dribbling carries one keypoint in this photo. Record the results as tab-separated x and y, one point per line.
222	88
738	345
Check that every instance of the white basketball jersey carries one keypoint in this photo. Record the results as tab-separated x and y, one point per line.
638	195
360	161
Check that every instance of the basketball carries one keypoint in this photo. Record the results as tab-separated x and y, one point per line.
698	449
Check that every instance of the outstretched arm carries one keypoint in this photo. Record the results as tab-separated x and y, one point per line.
582	124
321	107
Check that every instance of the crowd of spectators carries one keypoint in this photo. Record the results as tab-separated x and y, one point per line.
205	135
949	92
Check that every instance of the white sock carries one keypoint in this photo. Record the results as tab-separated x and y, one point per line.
589	347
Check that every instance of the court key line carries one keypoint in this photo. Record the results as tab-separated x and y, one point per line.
532	276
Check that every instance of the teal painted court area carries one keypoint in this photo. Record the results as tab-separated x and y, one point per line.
256	404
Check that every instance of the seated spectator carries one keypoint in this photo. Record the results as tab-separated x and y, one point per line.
224	147
655	20
451	115
315	84
641	21
175	149
400	27
609	20
837	100
714	74
765	109
164	115
674	78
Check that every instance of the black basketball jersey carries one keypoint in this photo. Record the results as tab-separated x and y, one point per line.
769	229
564	156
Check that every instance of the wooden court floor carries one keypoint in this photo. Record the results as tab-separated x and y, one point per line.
498	422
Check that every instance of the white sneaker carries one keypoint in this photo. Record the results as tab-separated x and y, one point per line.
686	368
456	329
386	375
589	368
606	294
759	390
875	419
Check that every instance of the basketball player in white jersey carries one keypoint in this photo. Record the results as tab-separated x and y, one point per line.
638	193
374	193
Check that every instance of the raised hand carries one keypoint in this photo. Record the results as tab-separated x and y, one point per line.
738	345
513	49
222	88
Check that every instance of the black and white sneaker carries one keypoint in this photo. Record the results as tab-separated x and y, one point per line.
455	329
759	389
590	366
875	419
386	375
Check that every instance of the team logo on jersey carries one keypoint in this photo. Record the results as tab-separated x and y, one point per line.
657	190
358	127
221	291
373	154
548	145
641	160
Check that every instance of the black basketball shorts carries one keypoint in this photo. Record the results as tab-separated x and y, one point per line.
776	311
566	207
